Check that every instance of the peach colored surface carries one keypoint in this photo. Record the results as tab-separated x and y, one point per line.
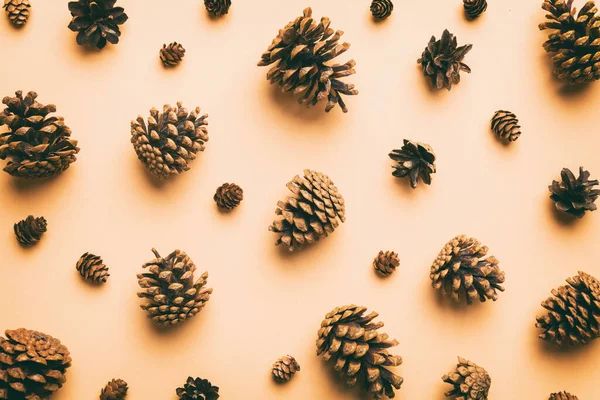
267	303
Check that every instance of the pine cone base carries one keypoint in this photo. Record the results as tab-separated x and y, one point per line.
572	195
228	196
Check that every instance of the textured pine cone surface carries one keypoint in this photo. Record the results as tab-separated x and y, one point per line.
415	160
313	212
30	230
302	54
92	268
573	316
359	352
474	8
562	396
386	262
172	296
116	389
442	61
284	368
573	195
170	141
96	22
217	7
198	389
574	41
36	145
470	381
506	125
18	11
228	196
172	54
32	365
462	270
381	9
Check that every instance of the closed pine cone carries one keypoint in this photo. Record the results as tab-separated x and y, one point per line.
415	160
92	268
228	196
18	11
198	389
506	125
572	195
285	368
96	22
474	8
470	381
442	61
172	54
381	9
562	396
217	7
114	390
386	262
30	230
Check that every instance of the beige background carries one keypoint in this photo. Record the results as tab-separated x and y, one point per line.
267	303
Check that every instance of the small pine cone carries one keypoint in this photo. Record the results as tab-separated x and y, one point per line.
30	230
285	368
386	262
415	160
217	7
574	196
172	54
381	9
18	11
506	125
442	61
92	268
470	381
562	396
198	389
114	390
474	8
228	196
573	312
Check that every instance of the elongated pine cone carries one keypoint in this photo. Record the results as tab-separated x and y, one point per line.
32	365
359	351
381	9
313	212
574	42
30	230
470	381
92	268
172	54
171	294
506	125
573	195
562	396
217	7
303	54
474	8
228	196
18	11
198	389
96	22
573	315
442	61
36	145
171	139
386	262
285	368
415	160
114	390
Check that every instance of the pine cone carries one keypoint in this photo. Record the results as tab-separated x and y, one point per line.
228	196
562	396
474	8
18	11
217	7
386	262
575	40
30	230
172	54
506	125
441	60
312	213
96	21
461	271
303	54
285	368
574	196
114	390
171	294
415	160
32	365
381	9
573	312
171	140
471	382
92	268
198	389
359	351
37	146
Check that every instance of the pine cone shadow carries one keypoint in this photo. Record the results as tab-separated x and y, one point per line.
561	218
337	381
549	350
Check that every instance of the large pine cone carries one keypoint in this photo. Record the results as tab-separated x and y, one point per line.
359	351
575	40
573	312
30	230
92	268
32	365
415	160
228	196
96	21
172	54
386	262
217	7
381	9
573	195
474	8
441	60
171	140
461	270
303	54
114	390
562	396
18	11
284	369
470	381
198	389
36	145
171	293
312	213
506	125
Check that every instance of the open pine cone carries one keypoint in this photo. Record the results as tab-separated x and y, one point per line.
217	7
18	11
562	396
30	230
442	60
415	160
92	268
172	54
470	381
386	262
284	368
114	390
573	195
96	21
198	389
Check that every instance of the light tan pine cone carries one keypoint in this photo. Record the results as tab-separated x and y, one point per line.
18	11
172	54
30	230
506	125
116	389
562	396
386	262
92	268
285	368
470	381
228	196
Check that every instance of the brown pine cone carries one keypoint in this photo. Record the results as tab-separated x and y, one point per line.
217	7
442	61
381	9
30	230
198	389
386	262
114	390
92	269
470	381
506	125
18	11
172	54
474	8
285	368
562	396
228	196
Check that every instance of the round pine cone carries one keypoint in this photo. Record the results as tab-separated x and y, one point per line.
415	160
442	61
92	268
474	8
506	125
386	262
198	389
32	365
228	196
30	230
172	54
96	22
562	396
381	9
573	195
217	7
18	11
470	381
114	390
285	368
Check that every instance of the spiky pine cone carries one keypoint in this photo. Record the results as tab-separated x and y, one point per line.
415	160
114	390
32	365
30	230
358	350
172	54
171	294
470	381
171	139
575	40
381	9
573	315
285	368
386	262
96	21
228	196
313	212
36	145
18	11
461	270
474	8
442	60
217	7
303	54
506	125
573	195
92	268
562	396
198	389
